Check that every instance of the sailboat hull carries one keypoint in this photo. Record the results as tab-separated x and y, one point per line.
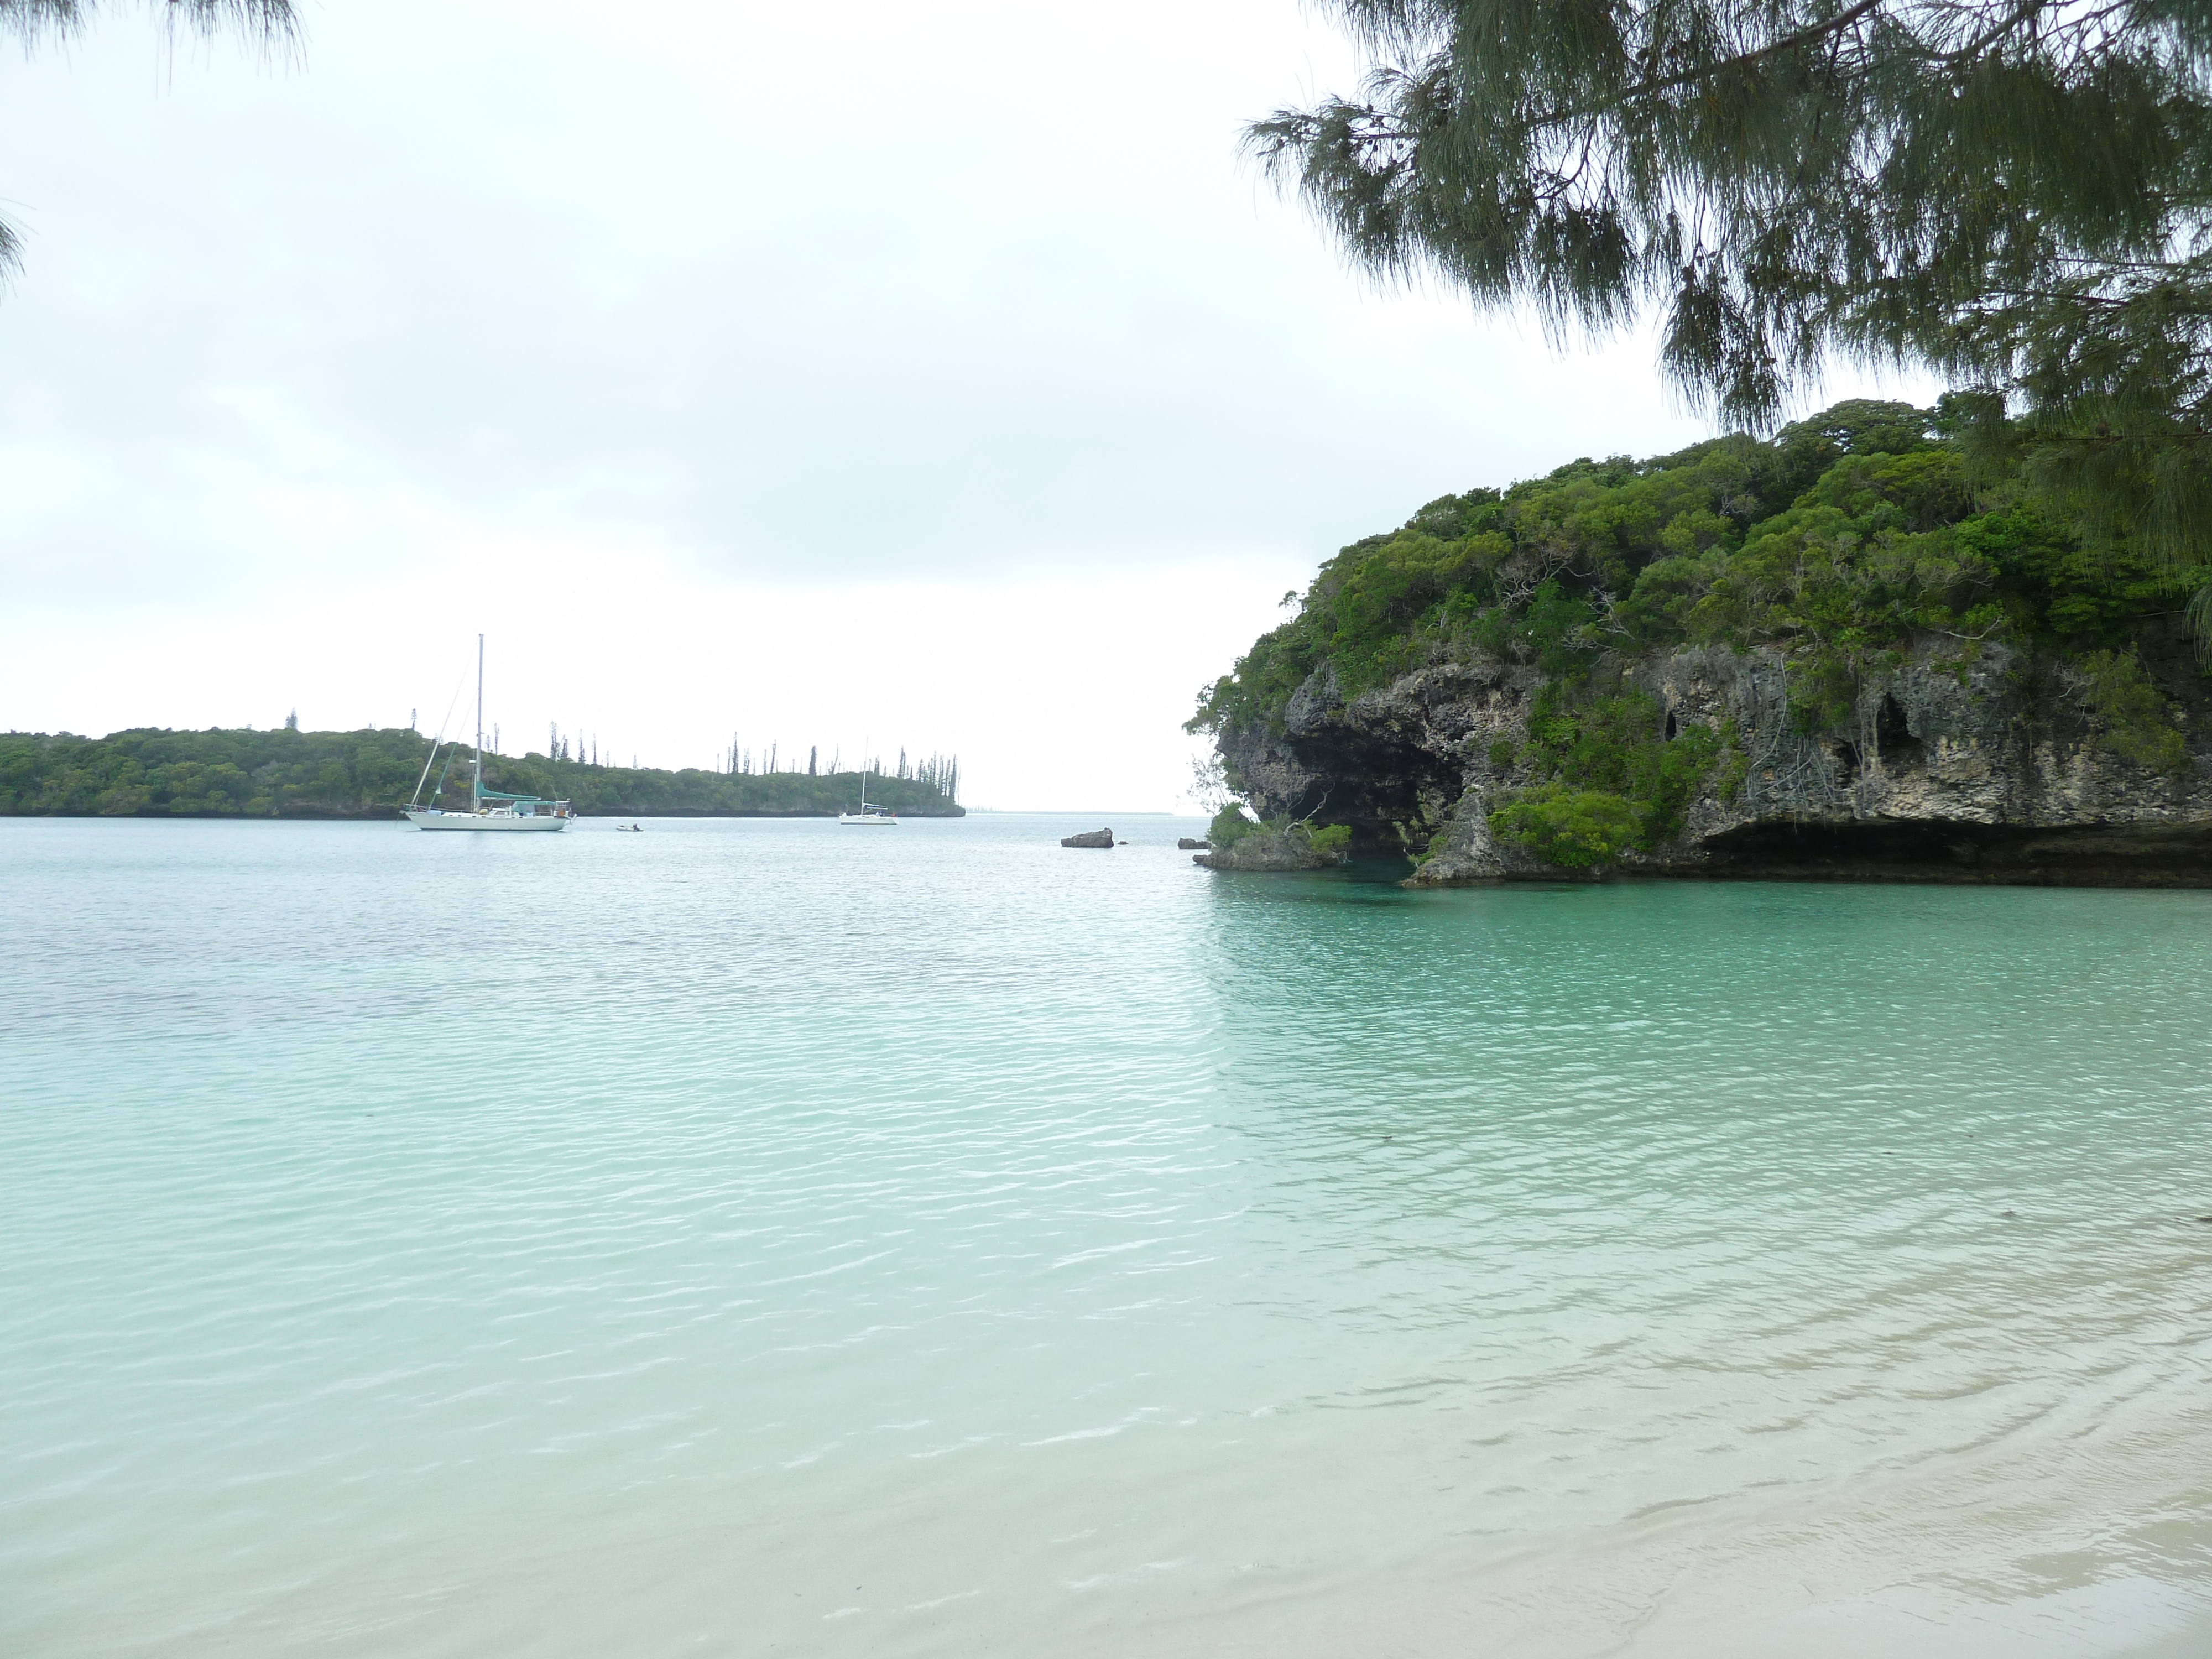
500	823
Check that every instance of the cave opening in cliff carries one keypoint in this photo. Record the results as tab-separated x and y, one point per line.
1892	736
1942	849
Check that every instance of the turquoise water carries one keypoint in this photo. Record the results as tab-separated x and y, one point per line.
755	1237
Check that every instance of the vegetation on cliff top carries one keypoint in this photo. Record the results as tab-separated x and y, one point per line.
372	774
1839	542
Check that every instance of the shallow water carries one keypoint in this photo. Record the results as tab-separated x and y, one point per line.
758	1238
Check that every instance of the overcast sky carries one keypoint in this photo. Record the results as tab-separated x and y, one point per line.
935	374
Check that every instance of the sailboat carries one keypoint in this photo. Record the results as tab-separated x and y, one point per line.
489	809
868	814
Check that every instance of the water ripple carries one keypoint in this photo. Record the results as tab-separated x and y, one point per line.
751	1236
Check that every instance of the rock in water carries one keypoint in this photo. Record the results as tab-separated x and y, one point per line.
1188	845
1096	838
1263	850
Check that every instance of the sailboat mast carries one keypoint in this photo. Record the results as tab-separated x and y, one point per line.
476	790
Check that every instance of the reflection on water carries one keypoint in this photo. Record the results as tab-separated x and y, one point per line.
754	1238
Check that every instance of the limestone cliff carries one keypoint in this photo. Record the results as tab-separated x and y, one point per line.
1992	765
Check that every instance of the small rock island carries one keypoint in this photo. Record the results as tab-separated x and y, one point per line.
1234	841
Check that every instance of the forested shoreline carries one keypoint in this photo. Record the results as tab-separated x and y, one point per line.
372	774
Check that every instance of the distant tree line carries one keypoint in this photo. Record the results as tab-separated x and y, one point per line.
291	773
940	772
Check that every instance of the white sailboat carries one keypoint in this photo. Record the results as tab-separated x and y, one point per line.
868	814
489	809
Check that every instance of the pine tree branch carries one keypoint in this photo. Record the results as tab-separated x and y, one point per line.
1803	37
2026	9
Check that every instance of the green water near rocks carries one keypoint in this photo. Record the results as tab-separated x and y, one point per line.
766	1237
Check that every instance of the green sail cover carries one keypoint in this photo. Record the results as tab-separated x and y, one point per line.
494	794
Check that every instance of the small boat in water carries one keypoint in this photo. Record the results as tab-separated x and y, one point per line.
489	809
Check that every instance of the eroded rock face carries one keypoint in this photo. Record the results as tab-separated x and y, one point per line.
1995	769
1092	838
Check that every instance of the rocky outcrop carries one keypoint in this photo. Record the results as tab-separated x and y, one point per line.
1095	838
1990	766
1264	850
1184	843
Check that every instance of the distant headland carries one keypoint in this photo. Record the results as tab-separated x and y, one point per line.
289	774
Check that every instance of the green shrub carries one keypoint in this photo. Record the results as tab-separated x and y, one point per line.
1617	745
2130	712
1574	828
1330	838
1230	826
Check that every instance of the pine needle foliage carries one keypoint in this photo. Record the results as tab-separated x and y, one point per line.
46	22
2013	193
35	24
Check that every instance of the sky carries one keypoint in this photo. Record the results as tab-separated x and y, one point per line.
939	377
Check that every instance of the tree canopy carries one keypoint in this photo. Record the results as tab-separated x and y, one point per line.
1850	535
2013	193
